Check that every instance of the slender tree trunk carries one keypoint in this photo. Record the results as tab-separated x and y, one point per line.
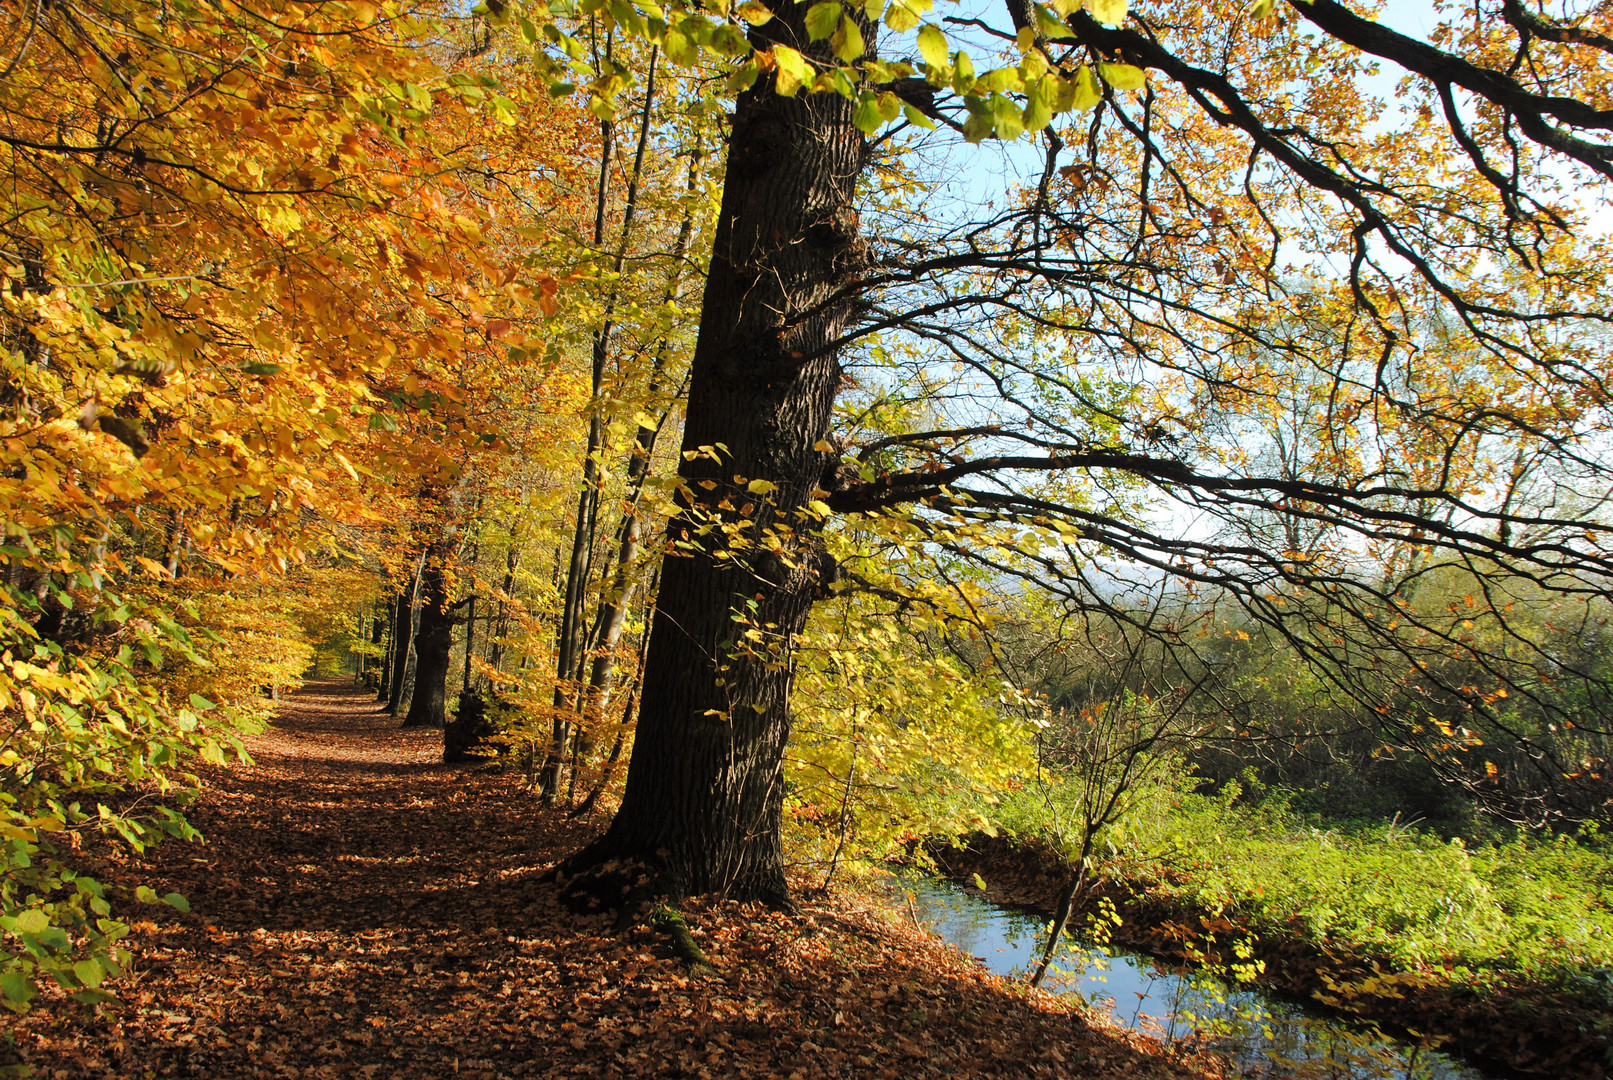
1061	919
570	655
177	537
403	639
845	814
609	768
704	797
614	606
433	644
470	639
377	637
384	691
495	655
1061	916
358	657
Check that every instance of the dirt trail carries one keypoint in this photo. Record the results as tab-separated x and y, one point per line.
362	910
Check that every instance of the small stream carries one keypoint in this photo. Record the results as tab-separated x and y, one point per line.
1267	1037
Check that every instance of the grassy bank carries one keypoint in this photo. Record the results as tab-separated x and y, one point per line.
1504	947
1537	910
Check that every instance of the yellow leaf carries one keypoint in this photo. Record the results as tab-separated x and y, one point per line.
1123	76
932	45
1087	91
152	567
793	70
1109	12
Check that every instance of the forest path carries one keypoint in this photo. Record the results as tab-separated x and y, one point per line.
362	910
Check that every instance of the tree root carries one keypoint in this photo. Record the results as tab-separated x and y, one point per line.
629	888
683	942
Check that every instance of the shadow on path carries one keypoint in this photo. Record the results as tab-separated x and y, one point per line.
362	910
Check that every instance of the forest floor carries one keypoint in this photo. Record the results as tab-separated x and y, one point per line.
360	909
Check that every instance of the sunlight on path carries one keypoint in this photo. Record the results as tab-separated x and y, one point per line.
361	910
333	724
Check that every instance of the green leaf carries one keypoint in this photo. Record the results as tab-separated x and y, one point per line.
822	18
145	894
17	987
256	367
89	973
200	704
1000	81
933	46
1005	118
917	119
963	73
1087	91
848	41
977	127
903	15
980	882
753	12
866	116
177	902
32	921
1050	26
1123	76
1039	109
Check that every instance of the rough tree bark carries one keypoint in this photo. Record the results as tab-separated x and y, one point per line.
433	641
704	794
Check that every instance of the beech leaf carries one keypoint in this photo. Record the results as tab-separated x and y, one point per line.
822	18
932	45
1108	12
793	69
1123	76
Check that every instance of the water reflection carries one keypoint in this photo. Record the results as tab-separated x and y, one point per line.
1267	1038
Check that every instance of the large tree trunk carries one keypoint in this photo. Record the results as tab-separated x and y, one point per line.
433	642
702	807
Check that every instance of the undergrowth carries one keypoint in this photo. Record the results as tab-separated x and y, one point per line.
1530	910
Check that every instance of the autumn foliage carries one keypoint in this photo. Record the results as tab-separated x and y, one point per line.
252	259
354	336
